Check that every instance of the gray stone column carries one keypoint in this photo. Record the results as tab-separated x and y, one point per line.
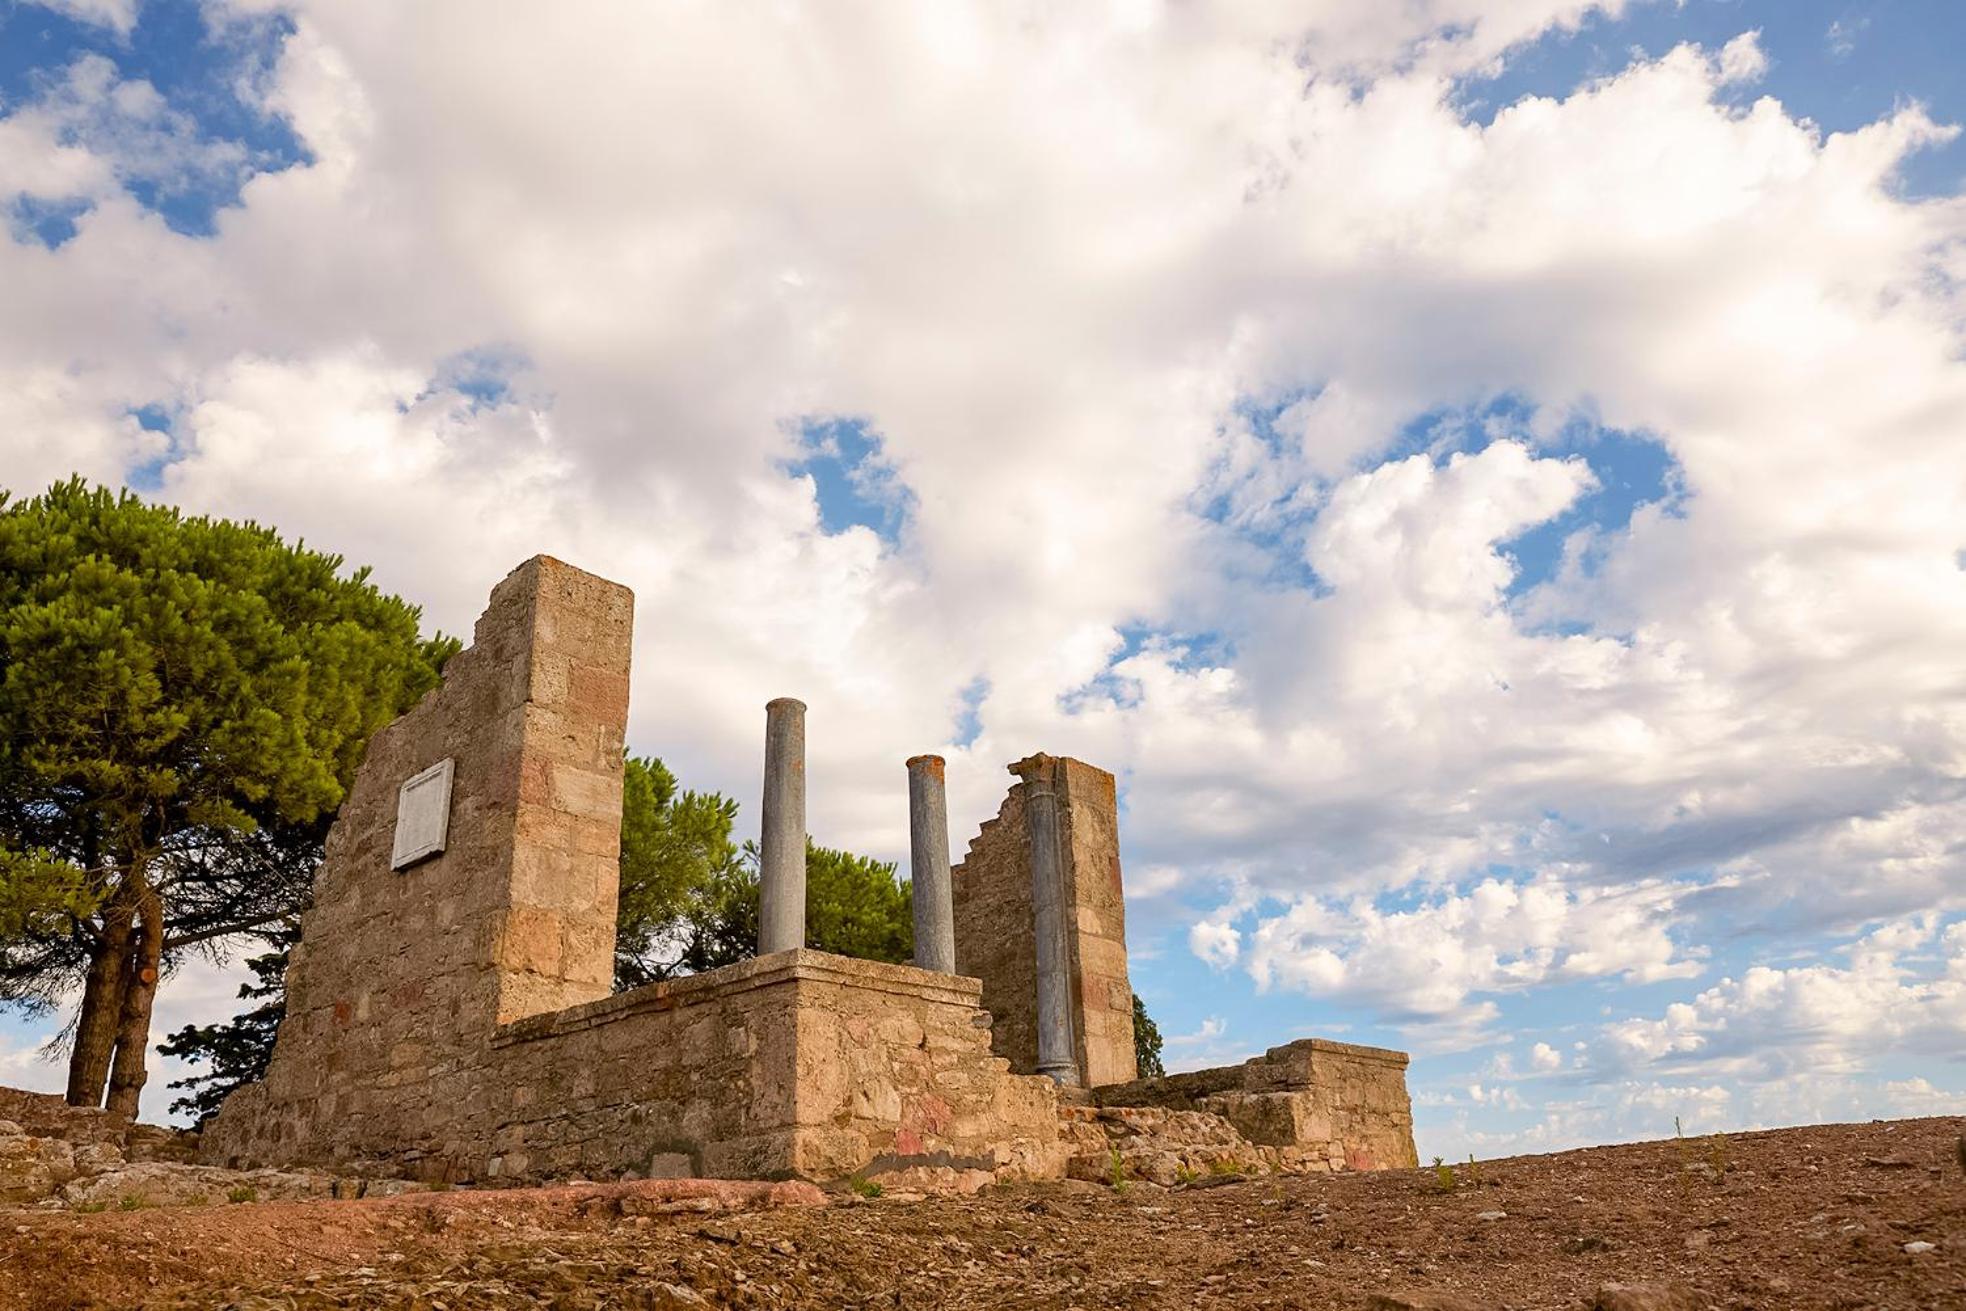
928	835
1057	1053
782	839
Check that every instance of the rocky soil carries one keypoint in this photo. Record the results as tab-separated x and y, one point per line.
1833	1216
58	1157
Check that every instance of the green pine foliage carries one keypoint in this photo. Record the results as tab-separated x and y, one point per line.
855	906
676	855
1146	1042
183	701
235	1052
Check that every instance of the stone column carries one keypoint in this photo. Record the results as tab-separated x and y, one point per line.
782	840
928	833
1056	1050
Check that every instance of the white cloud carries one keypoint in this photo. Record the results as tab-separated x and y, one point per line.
1742	59
117	15
1773	1023
1544	1058
1216	943
24	1063
1422	966
1211	1028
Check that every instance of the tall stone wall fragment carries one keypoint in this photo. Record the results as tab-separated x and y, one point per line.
996	931
402	976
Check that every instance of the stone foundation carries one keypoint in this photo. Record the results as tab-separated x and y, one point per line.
800	1064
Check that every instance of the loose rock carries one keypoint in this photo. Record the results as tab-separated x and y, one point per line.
1414	1301
1644	1297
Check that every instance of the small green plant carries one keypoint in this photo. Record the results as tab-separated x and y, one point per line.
1116	1170
93	1208
1474	1170
1444	1176
864	1187
243	1193
131	1203
1226	1165
1719	1154
1186	1174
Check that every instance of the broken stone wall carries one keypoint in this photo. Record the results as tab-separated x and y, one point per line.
1341	1102
995	936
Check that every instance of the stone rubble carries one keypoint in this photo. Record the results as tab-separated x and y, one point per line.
61	1157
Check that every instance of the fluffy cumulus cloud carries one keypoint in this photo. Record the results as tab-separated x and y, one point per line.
1830	1018
1422	965
1228	406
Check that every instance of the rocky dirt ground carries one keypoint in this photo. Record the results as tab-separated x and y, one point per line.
1834	1216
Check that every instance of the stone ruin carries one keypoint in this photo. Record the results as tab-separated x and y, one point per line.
450	1014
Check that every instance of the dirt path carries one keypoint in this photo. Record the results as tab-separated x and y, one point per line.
1806	1218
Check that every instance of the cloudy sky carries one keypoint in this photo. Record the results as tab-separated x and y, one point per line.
1488	475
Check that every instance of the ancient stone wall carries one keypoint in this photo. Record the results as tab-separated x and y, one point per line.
995	938
1339	1100
402	975
451	1016
800	1062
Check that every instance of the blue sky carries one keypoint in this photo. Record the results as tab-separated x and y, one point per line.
1488	487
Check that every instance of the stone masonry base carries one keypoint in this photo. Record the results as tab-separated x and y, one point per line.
799	1064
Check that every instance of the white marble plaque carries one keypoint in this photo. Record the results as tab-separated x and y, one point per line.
423	815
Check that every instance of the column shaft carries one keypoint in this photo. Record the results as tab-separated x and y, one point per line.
928	833
782	839
1057	1053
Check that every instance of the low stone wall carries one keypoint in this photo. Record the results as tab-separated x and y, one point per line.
1344	1101
797	1064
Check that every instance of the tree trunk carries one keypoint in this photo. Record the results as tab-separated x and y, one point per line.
146	959
102	1004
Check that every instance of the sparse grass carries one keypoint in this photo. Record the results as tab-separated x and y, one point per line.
131	1203
1444	1176
864	1187
243	1193
1474	1170
1720	1154
1186	1174
93	1208
1226	1165
1116	1170
1714	1156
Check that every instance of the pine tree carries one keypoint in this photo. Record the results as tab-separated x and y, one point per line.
238	1050
182	704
